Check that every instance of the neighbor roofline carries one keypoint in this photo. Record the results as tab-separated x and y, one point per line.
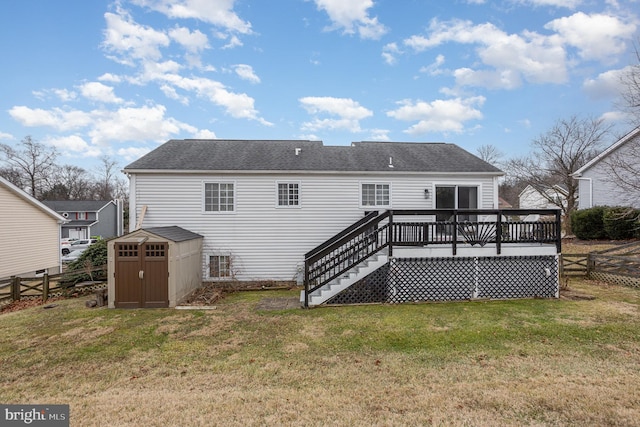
606	152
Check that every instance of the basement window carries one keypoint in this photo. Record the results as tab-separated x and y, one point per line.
219	266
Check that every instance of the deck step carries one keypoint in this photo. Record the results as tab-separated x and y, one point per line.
357	273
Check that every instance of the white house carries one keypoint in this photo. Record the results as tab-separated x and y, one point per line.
547	198
30	234
613	177
261	205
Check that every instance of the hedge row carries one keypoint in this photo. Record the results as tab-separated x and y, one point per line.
606	222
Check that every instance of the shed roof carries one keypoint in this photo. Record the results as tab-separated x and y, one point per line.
174	233
303	155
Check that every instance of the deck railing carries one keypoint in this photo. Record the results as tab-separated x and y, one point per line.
401	228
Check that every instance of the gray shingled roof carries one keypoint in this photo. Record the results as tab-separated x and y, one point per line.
259	155
174	233
75	205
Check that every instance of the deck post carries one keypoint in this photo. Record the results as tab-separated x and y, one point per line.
455	233
558	231
499	232
391	234
306	284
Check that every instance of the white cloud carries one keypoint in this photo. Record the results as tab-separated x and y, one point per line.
439	115
569	4
4	135
349	113
130	41
606	85
389	53
379	135
56	118
434	68
132	153
205	134
192	41
597	37
352	16
135	124
65	95
238	105
217	12
74	143
245	72
111	78
96	91
512	57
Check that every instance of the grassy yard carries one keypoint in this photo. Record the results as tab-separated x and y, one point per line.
526	362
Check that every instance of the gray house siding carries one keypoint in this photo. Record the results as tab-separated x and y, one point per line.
597	184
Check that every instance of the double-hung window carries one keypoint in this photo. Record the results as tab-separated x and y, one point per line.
288	194
219	197
375	195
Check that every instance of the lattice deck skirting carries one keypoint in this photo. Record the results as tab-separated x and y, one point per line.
615	279
456	278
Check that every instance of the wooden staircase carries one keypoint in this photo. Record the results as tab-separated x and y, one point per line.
339	284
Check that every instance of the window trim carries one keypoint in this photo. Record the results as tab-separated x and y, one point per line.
376	183
457	185
278	205
204	197
209	262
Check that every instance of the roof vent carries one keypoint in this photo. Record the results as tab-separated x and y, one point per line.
298	151
390	162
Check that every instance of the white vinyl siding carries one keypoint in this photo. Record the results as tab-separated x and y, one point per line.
267	242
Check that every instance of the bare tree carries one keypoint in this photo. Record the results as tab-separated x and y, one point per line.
34	162
557	154
105	187
631	89
490	153
69	183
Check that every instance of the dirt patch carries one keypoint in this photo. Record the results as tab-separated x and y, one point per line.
573	295
28	303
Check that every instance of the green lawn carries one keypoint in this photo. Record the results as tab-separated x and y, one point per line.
525	362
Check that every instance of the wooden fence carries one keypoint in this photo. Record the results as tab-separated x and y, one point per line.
16	288
619	265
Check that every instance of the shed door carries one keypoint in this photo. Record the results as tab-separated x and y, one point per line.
142	275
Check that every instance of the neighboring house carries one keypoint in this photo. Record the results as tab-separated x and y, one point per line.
89	218
550	198
261	205
30	234
601	182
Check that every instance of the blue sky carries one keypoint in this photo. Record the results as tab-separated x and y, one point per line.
121	77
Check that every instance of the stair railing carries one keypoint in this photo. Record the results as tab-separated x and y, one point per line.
345	250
